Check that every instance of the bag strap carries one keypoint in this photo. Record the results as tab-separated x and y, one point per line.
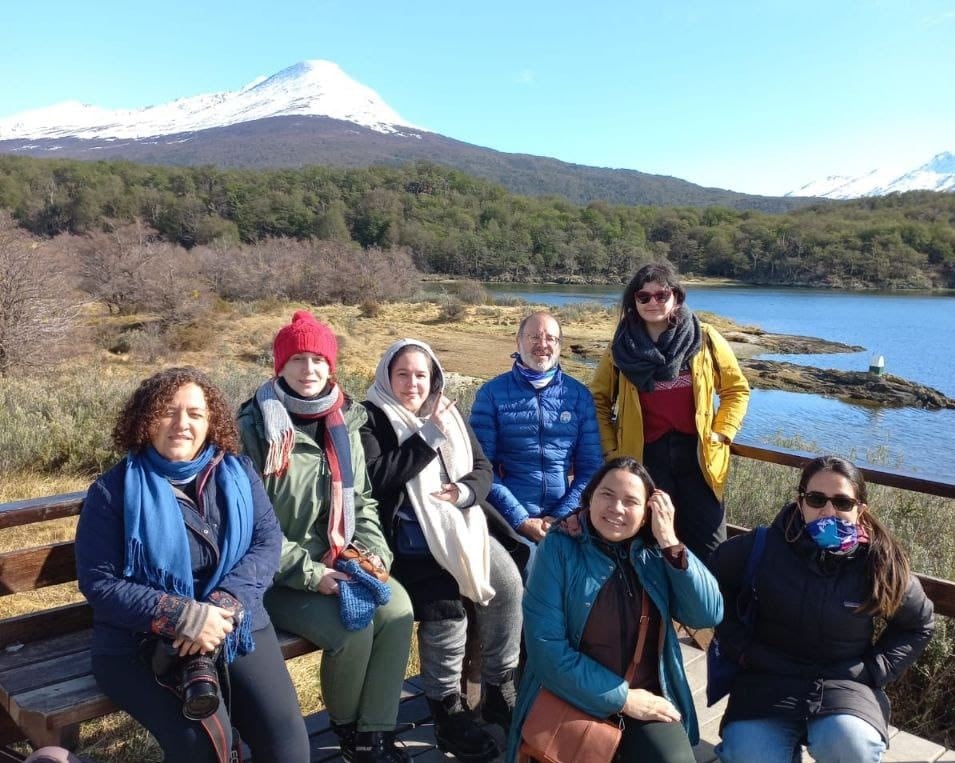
641	637
755	557
747	612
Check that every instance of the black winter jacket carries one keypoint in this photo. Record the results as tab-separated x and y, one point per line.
434	592
810	654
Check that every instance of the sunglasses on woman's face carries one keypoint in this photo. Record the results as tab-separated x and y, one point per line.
643	297
816	500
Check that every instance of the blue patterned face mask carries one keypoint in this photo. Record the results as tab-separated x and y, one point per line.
833	534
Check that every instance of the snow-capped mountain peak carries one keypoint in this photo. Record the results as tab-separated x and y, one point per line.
316	88
938	174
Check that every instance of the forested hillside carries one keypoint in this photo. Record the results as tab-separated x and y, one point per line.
454	224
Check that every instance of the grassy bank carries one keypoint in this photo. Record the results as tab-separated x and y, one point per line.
56	439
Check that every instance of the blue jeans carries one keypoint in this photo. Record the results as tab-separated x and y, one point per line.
830	739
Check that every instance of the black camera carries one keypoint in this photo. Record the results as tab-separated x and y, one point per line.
195	678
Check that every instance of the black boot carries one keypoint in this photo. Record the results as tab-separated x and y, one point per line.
346	733
378	747
456	732
499	701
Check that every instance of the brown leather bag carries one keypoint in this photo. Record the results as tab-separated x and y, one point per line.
366	559
555	731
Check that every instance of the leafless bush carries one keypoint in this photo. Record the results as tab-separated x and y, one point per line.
311	271
471	292
130	270
37	307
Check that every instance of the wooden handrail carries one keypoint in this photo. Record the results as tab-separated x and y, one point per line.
942	592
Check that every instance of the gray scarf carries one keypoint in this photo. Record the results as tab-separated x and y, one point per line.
644	361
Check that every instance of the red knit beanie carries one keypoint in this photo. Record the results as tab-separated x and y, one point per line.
304	334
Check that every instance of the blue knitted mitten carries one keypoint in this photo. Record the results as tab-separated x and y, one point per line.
360	596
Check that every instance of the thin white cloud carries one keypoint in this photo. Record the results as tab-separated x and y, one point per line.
942	18
526	77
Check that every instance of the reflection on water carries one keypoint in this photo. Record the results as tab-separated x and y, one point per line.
899	438
913	331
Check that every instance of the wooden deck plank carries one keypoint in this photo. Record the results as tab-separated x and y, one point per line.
78	699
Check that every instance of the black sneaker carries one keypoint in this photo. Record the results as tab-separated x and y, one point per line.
346	733
456	732
378	747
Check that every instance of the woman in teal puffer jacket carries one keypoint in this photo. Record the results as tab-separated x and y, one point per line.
582	610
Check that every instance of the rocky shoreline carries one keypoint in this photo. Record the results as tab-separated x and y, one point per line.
856	387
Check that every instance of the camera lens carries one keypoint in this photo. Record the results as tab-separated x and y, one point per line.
200	688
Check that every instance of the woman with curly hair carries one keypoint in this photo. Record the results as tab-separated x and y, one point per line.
653	391
839	615
175	547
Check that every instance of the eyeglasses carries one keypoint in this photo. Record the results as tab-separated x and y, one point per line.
643	297
816	500
543	339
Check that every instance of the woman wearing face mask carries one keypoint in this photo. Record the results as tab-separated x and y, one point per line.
810	672
653	391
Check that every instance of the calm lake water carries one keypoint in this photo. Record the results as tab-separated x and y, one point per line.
914	332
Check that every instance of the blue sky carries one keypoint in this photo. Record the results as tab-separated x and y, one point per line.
755	96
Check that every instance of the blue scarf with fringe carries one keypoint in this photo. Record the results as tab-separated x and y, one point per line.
157	548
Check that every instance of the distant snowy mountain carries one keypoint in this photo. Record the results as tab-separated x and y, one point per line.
314	88
938	174
312	113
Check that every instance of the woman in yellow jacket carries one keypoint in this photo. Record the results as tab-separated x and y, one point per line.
653	391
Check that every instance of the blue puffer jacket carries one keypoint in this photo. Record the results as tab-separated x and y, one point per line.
535	439
563	586
124	610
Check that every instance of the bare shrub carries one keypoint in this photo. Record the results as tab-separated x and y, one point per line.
37	309
471	292
130	270
369	308
270	269
453	310
314	271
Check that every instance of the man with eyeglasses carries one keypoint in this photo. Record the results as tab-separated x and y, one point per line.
538	428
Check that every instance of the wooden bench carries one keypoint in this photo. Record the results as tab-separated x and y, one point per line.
46	684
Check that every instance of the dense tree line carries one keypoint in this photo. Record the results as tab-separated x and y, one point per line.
455	224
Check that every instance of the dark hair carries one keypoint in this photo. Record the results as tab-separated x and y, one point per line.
887	564
628	464
134	427
436	377
660	273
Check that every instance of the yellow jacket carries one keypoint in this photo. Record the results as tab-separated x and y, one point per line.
621	419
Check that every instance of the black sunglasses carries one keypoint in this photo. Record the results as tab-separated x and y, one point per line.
816	500
643	297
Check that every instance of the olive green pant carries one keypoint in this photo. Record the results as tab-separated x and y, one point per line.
362	671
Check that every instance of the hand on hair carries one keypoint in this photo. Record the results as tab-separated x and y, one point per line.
662	517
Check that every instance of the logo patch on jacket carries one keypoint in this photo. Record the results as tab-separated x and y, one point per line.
565	417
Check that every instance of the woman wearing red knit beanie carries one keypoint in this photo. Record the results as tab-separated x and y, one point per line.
301	431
